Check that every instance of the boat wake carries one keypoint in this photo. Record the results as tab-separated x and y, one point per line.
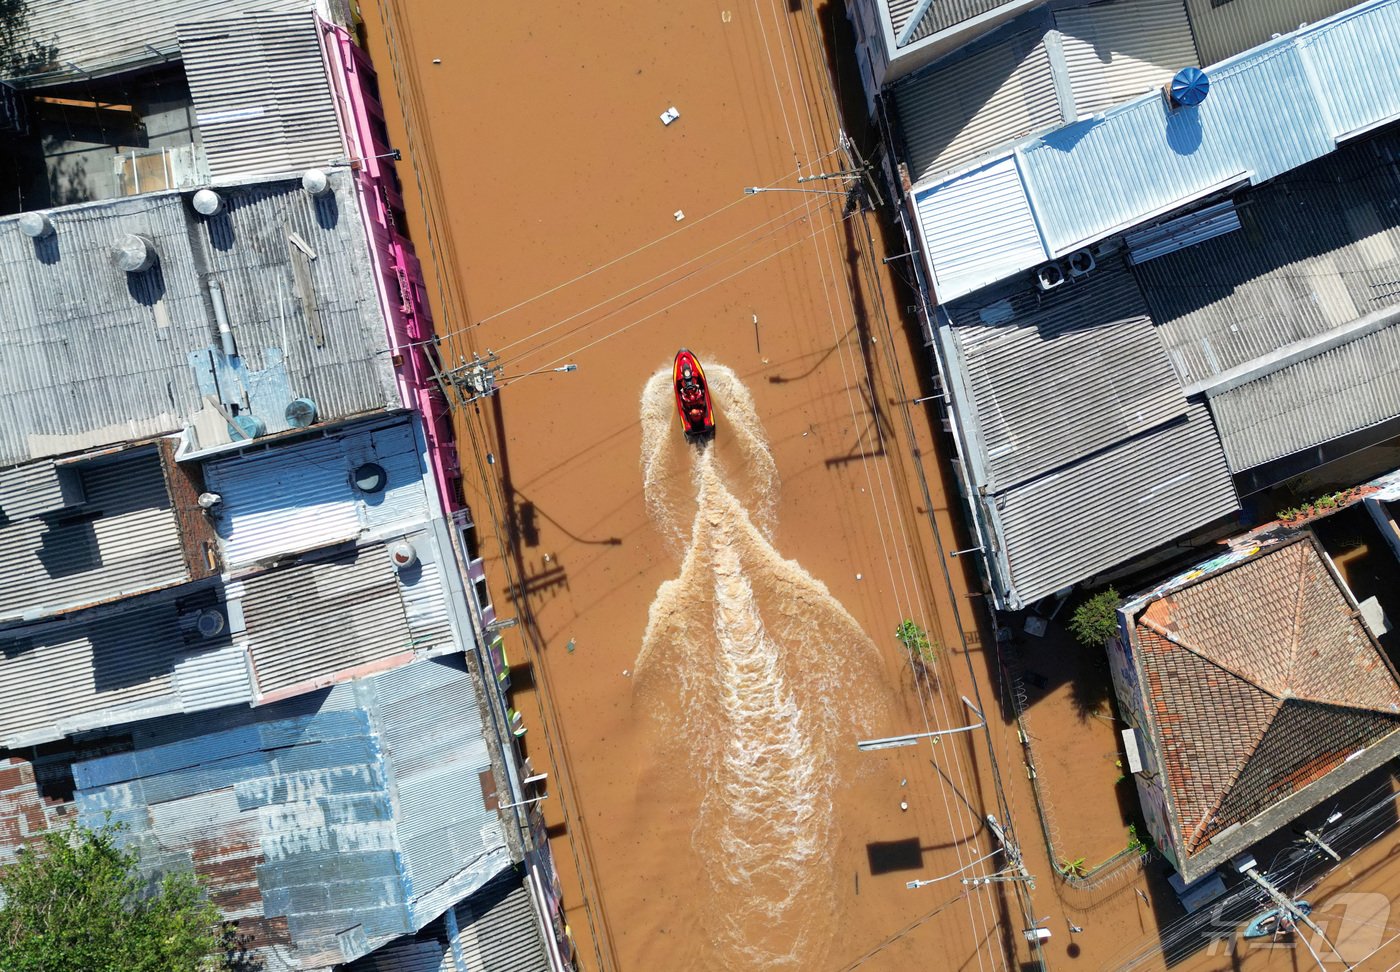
754	674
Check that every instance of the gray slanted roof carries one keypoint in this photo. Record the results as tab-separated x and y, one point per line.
1054	378
1344	389
261	95
142	659
1068	525
1317	248
935	15
95	356
84	38
86	534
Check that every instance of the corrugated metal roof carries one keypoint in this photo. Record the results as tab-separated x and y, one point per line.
96	356
261	96
89	37
1094	515
120	537
300	496
316	619
937	15
1318	248
116	666
978	228
494	930
1342	390
1269	111
1054	378
498	930
968	106
1117	51
294	811
1225	29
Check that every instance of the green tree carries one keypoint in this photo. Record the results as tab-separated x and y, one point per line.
75	901
1096	620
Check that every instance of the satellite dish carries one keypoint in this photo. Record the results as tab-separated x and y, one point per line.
301	413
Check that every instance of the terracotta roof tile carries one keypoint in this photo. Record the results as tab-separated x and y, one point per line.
1261	680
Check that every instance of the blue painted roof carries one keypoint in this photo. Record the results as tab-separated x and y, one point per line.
331	823
1270	110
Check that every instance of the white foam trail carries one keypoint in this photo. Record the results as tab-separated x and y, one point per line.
755	671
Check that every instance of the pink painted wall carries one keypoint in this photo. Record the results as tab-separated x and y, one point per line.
402	294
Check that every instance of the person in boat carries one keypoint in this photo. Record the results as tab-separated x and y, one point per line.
692	397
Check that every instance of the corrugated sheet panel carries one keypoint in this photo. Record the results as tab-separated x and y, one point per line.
1226	29
122	540
938	15
1097	514
1261	117
425	597
295	812
498	930
301	496
1346	55
978	228
1318	248
28	491
1177	234
1117	51
94	356
98	38
1268	112
960	110
1314	401
261	96
112	668
315	619
1058	378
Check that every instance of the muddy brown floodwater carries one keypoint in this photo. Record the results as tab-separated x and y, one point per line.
708	629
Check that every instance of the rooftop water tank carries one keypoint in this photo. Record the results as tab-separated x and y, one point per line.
207	202
134	253
301	413
35	225
1189	87
246	427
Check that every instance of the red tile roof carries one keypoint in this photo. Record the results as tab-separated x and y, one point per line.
1260	680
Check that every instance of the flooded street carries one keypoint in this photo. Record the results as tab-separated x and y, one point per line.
706	631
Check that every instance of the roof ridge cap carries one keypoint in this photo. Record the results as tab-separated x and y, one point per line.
1298	598
1164	633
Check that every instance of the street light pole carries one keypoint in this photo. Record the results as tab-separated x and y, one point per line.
893	742
755	190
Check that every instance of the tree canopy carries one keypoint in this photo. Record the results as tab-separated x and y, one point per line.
76	901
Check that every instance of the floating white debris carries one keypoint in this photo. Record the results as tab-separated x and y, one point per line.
670	115
679	214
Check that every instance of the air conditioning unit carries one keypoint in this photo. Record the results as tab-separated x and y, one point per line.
1080	263
1049	276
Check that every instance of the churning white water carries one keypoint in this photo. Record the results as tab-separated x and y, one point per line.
753	669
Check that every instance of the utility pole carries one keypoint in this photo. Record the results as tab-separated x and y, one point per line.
1248	867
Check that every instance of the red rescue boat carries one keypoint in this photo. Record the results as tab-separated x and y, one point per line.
693	403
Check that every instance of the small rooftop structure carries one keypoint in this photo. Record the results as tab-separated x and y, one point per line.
241	314
1257	691
1270	110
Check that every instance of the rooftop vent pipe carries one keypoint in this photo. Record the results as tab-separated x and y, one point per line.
216	297
315	182
35	225
207	202
1188	88
134	253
